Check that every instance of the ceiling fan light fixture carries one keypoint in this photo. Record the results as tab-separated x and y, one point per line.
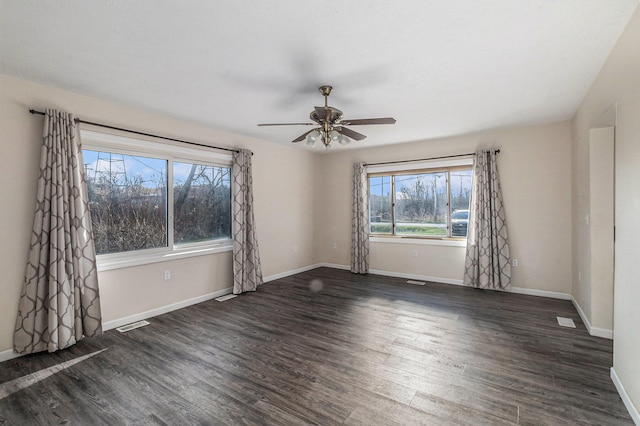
334	135
344	140
312	137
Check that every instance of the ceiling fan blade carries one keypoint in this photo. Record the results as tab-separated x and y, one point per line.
362	121
302	136
286	124
322	112
350	133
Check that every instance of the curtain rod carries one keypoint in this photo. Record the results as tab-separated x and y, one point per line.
33	111
497	151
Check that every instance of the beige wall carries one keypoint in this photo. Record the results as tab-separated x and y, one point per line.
284	182
535	169
618	83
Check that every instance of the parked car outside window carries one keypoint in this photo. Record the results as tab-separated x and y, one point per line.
459	222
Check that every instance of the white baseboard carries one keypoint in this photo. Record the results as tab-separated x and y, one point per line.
292	272
584	318
601	332
541	293
109	325
335	266
416	277
631	408
398	274
8	354
519	290
594	331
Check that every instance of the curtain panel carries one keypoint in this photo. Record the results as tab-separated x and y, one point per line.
360	221
487	258
60	301
247	272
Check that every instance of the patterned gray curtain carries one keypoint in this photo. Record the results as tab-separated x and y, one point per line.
360	221
60	301
487	260
247	272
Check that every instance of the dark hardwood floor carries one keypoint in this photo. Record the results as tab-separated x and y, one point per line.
367	350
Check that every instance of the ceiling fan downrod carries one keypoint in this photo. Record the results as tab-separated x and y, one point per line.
326	91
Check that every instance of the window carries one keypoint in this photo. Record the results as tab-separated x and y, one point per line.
152	201
429	202
201	202
127	200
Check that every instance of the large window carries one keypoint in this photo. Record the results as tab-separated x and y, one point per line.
150	200
420	203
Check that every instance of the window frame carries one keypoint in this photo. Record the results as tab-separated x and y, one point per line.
414	168
105	142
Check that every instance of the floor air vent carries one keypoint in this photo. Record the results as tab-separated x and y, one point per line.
566	322
226	297
415	282
131	326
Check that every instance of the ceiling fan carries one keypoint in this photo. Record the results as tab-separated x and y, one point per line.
331	124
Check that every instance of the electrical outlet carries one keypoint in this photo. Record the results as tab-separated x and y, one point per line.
415	253
167	275
514	262
334	246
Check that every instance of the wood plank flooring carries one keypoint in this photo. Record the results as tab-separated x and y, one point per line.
364	350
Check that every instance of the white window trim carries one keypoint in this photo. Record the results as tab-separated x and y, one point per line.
395	239
92	140
419	166
107	262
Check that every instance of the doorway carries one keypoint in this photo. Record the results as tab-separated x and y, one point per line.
601	228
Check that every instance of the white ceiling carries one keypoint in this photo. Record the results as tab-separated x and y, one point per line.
439	67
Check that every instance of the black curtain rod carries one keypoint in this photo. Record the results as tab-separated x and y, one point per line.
33	111
497	151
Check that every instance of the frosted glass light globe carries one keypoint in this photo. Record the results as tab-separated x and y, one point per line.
312	137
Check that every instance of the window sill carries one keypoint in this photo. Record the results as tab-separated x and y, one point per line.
451	242
110	262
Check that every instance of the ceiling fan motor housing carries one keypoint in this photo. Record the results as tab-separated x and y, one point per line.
331	115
